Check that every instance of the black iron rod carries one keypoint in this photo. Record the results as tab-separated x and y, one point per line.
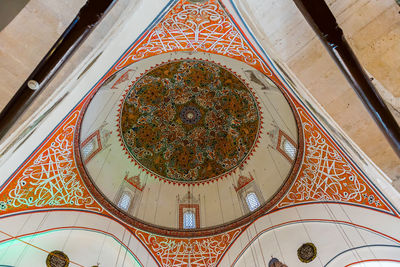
83	24
323	22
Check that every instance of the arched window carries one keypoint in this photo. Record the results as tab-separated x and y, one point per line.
286	146
125	201
189	220
91	146
252	201
87	149
289	149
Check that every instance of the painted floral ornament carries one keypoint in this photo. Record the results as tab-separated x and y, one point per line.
189	120
307	252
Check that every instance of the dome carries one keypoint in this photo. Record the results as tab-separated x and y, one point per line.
200	143
189	120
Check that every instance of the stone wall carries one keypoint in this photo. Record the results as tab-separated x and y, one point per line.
27	39
372	28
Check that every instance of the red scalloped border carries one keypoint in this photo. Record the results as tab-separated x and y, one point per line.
190	183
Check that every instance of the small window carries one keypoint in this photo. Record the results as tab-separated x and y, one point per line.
124	201
289	149
286	146
189	220
88	148
252	201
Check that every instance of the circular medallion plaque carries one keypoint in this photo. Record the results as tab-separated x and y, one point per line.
189	120
307	252
57	258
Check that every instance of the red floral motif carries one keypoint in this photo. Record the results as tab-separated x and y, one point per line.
124	77
134	181
243	181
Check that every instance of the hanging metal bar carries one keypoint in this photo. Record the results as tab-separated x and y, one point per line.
323	22
83	24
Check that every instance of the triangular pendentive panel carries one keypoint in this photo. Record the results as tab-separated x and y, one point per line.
170	251
50	177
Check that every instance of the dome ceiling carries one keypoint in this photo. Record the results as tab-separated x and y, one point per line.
189	120
196	132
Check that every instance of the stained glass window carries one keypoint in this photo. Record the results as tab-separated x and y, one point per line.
124	201
252	201
189	220
289	149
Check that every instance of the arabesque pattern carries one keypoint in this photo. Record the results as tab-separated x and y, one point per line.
196	27
200	252
189	121
50	178
326	175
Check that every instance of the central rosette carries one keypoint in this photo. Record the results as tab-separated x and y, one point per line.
189	120
190	114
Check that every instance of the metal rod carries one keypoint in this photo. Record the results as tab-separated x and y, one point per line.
83	24
323	22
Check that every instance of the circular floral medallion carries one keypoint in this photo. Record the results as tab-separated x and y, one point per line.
189	120
307	252
57	258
